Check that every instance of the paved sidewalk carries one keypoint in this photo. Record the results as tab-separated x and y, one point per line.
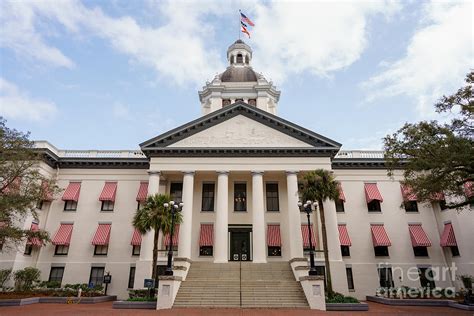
102	309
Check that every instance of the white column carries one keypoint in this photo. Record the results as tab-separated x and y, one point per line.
258	218
294	221
221	225
184	246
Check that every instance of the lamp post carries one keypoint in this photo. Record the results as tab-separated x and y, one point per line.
173	208
307	207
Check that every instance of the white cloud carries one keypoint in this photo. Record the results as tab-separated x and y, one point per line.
438	57
16	104
320	37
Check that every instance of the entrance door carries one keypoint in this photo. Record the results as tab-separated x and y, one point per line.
240	246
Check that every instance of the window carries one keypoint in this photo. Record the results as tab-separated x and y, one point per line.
411	206
272	197
131	277
385	277
56	274
381	251
61	250
140	205
454	251
240	59
350	279
274	251
442	205
107	206
205	250
28	249
426	278
97	276
39	205
240	197
70	205
101	250
345	251
339	205
136	250
420	251
374	206
253	102
176	192
207	197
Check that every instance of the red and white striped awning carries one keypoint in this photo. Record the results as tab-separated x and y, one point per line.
448	239
175	237
13	187
418	236
379	235
136	238
102	235
342	197
273	235
72	192
344	238
108	192
468	189
47	194
34	241
305	234
206	237
142	192
439	196
63	235
372	192
407	193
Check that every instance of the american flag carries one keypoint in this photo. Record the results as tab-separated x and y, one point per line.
245	19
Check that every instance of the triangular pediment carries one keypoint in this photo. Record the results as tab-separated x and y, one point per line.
240	128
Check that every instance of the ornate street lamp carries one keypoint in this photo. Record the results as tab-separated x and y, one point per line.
173	208
307	207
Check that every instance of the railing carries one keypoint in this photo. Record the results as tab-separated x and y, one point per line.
378	154
90	153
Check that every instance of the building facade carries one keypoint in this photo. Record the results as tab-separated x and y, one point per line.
237	169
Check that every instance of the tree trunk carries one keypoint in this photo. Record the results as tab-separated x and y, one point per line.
155	254
325	248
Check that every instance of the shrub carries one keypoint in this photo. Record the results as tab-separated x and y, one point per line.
50	284
340	298
142	299
139	293
5	275
24	279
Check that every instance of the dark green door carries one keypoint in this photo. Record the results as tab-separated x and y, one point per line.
240	246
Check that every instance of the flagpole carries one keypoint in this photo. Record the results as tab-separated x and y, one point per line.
239	24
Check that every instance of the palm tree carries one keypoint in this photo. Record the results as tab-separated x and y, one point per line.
154	216
320	185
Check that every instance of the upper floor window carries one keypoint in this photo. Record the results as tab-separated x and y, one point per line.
411	206
107	206
272	197
176	191
207	197
339	205
70	205
374	206
101	250
240	197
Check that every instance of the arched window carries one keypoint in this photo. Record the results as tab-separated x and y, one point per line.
240	59
247	59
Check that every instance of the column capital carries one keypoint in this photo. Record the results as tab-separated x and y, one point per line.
256	172
226	172
154	172
290	172
188	172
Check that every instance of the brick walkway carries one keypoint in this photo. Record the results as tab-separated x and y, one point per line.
103	309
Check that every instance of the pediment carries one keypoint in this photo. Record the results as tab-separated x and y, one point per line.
240	129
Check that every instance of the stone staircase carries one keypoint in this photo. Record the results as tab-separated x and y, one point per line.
243	284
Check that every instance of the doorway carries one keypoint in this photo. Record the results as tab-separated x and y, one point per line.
240	244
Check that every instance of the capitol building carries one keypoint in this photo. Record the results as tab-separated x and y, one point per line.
243	240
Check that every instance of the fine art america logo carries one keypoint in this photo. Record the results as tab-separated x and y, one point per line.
428	276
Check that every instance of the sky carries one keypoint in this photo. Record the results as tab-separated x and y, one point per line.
112	74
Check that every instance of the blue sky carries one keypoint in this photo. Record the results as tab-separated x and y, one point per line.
112	74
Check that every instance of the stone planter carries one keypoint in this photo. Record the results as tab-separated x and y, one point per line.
347	306
57	300
133	305
420	302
